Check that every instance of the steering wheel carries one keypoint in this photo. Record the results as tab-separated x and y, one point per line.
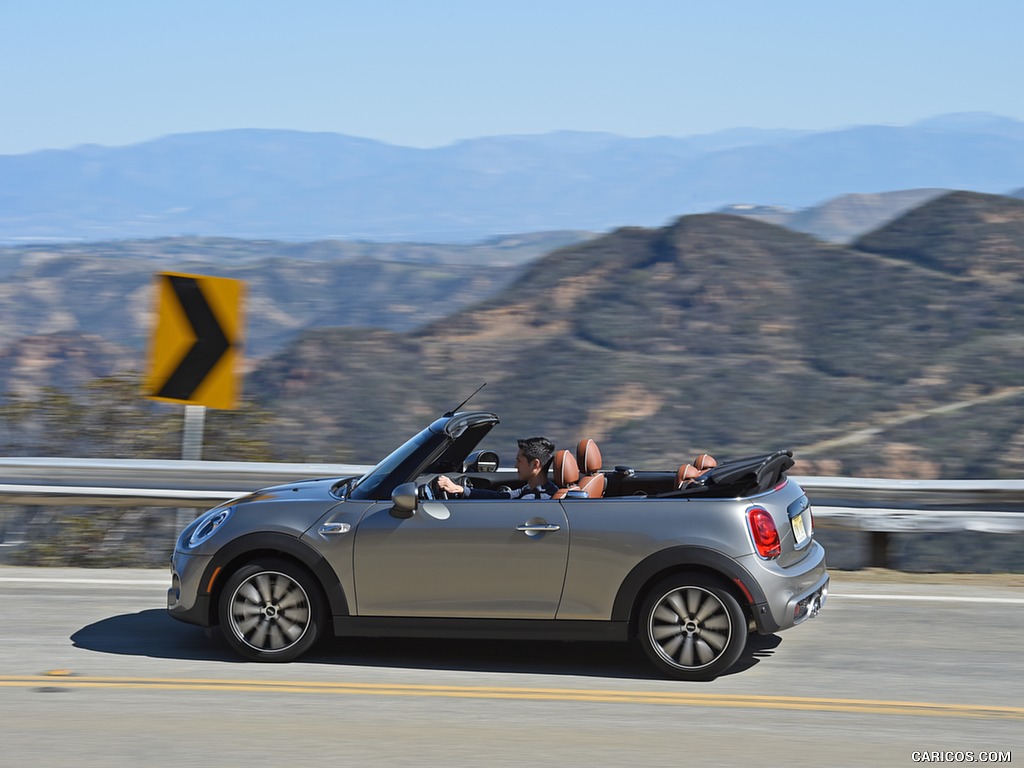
436	492
426	492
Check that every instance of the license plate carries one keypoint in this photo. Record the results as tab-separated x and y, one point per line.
798	529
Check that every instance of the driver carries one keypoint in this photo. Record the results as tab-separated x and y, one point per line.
532	462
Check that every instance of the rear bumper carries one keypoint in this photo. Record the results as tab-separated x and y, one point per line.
794	593
807	606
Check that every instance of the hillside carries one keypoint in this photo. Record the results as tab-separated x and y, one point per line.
105	289
288	185
716	333
59	361
961	234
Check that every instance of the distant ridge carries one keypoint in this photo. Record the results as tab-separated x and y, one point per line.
844	218
289	185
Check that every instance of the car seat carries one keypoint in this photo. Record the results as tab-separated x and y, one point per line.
566	474
690	472
588	459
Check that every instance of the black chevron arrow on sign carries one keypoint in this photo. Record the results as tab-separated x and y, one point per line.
209	347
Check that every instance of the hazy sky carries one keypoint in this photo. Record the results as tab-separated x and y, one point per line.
429	73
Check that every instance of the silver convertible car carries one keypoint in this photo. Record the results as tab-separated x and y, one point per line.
688	562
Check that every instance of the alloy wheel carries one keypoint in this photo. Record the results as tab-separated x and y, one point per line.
269	612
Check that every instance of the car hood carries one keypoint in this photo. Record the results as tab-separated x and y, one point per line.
318	489
289	509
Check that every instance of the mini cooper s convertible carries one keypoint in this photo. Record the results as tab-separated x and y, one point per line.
688	562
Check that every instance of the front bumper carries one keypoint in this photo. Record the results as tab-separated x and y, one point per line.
187	598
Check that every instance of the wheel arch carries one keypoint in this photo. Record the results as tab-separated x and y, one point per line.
684	559
246	549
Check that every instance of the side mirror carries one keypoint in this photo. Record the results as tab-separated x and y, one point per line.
404	499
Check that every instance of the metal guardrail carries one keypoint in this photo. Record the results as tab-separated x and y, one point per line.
151	483
877	506
920	506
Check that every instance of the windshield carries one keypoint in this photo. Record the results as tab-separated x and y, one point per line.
414	452
441	447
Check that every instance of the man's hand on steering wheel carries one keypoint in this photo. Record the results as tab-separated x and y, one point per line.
448	487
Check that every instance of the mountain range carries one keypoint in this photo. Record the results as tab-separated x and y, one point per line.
290	185
898	355
105	288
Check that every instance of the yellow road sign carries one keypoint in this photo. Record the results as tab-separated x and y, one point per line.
196	344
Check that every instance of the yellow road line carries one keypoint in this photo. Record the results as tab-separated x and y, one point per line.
863	706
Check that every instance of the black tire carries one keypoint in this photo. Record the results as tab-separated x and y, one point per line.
691	627
272	610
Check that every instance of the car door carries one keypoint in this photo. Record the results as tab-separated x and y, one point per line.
462	558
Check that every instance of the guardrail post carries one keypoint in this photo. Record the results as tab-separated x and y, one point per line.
879	557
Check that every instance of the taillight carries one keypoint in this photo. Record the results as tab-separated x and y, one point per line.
766	535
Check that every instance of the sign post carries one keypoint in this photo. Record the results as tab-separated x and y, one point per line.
192	433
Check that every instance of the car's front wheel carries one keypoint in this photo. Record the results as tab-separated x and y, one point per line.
691	627
271	610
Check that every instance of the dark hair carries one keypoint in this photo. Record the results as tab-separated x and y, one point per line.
539	448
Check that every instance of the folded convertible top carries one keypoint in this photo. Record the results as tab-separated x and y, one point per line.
740	477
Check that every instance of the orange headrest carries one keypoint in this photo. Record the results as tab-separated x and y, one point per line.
685	474
567	471
588	456
705	461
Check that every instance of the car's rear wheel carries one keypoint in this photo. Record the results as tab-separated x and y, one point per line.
272	610
691	627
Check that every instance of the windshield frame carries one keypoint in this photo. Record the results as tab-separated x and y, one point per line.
441	447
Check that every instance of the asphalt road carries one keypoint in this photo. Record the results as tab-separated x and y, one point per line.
94	673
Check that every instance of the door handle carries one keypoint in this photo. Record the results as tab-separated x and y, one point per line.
533	528
332	529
